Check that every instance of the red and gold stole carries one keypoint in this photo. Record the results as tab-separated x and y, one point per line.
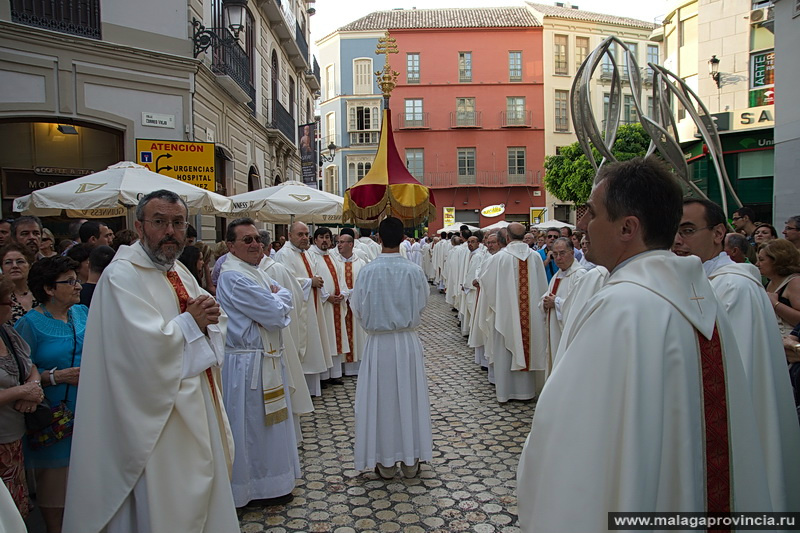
525	311
715	415
337	308
183	299
348	319
310	275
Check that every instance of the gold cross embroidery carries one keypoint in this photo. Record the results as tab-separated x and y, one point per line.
697	299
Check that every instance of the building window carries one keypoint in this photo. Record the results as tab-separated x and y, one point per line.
560	54
415	162
608	66
330	130
364	124
466	165
414	115
357	170
562	118
515	110
606	106
76	18
515	66
652	56
628	110
581	51
362	76
465	112
412	67
465	67
651	107
516	161
634	48
332	179
330	83
759	164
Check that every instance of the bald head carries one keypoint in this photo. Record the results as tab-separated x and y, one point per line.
298	235
516	231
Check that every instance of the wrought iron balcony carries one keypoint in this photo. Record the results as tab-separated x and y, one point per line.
481	178
283	121
229	59
413	120
364	137
66	16
302	44
515	119
465	119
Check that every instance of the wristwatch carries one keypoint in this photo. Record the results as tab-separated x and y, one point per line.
796	347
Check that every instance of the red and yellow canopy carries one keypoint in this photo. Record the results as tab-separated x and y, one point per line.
388	189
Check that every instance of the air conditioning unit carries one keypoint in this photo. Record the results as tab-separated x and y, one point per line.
761	15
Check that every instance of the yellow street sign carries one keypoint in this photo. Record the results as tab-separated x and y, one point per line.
185	161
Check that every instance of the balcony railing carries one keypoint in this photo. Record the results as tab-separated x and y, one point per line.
283	121
364	137
481	178
231	60
413	120
315	69
301	41
65	16
515	119
465	119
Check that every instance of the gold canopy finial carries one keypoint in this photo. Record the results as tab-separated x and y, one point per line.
387	78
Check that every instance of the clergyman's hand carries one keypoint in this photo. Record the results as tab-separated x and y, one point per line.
205	311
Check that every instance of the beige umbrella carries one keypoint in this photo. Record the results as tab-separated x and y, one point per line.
287	202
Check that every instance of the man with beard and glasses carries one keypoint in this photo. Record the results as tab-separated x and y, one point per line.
154	423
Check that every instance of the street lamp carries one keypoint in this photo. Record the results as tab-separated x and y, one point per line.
331	152
713	69
234	12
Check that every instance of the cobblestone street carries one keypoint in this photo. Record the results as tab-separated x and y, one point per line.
469	485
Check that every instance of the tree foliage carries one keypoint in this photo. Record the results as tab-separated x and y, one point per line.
569	175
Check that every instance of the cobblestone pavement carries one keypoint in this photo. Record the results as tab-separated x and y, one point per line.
468	486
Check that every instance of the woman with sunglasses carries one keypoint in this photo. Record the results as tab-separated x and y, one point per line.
48	245
16	263
54	330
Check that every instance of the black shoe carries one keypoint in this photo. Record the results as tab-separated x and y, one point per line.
335	381
324	384
485	368
271	502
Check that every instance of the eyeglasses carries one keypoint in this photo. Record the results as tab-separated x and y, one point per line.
690	230
735	218
12	262
248	239
787	228
160	223
71	281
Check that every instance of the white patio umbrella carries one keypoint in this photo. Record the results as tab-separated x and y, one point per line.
287	202
553	224
500	224
457	227
112	191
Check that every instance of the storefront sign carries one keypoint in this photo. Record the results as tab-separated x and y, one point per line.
747	118
762	97
61	171
158	121
493	210
762	69
537	215
18	182
184	161
448	216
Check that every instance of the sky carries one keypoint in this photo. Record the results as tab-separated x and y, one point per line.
333	14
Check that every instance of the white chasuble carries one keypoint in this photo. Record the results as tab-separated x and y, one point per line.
561	285
356	336
739	290
151	435
647	408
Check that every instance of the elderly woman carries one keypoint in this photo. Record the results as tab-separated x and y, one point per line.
54	330
48	245
16	262
779	262
18	395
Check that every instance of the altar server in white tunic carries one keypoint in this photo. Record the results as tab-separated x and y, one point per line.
256	386
647	408
512	323
393	421
152	449
356	337
313	346
559	290
738	288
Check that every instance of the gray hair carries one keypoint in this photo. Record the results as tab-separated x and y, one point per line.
26	219
565	240
264	237
161	194
502	237
794	220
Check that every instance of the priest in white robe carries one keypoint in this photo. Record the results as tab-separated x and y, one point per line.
392	409
257	387
457	257
553	302
738	288
313	347
476	339
440	259
151	448
647	408
512	323
356	336
469	288
334	305
365	243
427	258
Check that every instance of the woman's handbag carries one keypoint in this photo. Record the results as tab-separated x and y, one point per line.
60	427
42	416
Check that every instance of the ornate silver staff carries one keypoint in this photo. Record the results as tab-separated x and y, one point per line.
661	127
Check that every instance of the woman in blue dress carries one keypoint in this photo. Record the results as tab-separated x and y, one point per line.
54	330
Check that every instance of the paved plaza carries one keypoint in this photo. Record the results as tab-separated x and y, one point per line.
469	485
